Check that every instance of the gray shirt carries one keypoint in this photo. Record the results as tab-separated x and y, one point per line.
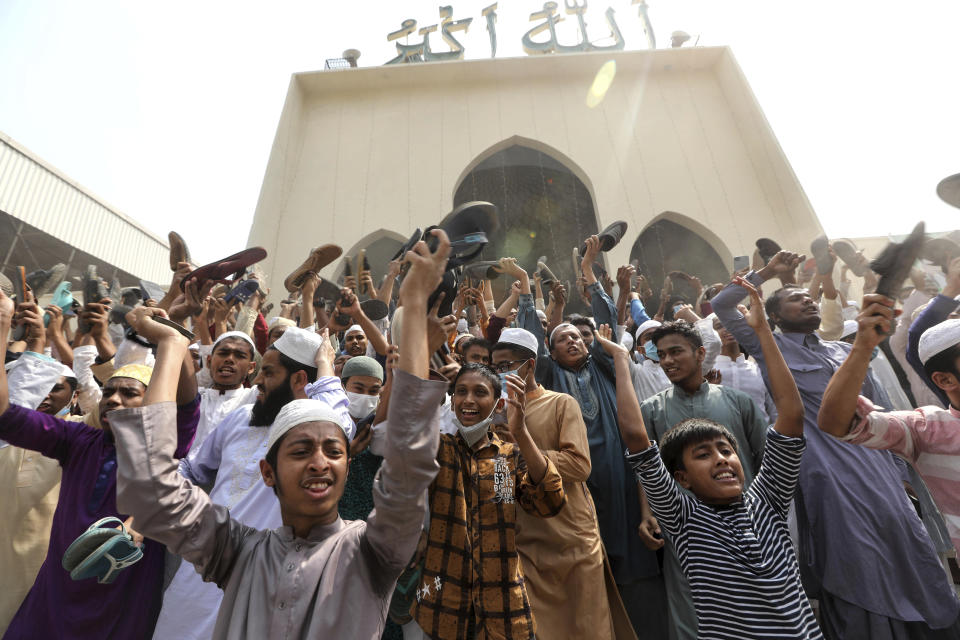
336	582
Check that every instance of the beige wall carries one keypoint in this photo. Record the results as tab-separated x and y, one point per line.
367	150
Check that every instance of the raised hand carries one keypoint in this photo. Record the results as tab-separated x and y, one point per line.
624	276
325	355
612	349
593	248
516	405
142	321
649	532
756	316
875	321
782	266
426	268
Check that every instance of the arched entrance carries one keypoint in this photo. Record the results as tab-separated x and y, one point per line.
545	209
380	245
665	246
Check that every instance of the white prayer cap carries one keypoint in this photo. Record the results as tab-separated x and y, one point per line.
354	329
299	345
297	412
67	372
194	346
646	326
541	315
938	338
518	337
562	325
849	328
462	326
235	334
277	321
626	340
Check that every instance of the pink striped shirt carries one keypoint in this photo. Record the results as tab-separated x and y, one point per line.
929	437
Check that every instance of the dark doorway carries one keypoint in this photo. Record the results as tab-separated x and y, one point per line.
666	246
545	210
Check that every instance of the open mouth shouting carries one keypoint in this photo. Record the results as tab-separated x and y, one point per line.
317	487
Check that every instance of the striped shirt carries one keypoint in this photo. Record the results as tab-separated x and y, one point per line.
929	437
738	557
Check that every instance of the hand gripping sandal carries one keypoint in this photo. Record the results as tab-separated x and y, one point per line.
101	552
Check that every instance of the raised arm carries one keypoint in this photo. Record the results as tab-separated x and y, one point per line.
370	330
166	506
839	405
629	418
782	386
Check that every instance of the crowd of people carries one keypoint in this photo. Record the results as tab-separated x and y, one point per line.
764	458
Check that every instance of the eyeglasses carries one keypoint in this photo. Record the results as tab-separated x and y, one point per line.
503	367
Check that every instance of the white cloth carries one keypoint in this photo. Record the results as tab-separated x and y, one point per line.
937	338
299	345
744	375
887	378
229	459
215	405
518	337
711	342
29	379
898	343
90	393
236	334
297	412
648	379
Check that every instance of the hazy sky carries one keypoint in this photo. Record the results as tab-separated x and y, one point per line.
168	110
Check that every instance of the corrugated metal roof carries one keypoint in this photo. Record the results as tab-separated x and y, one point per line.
35	192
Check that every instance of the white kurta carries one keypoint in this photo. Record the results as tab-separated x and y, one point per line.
744	374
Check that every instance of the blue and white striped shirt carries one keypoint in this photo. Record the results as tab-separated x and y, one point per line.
738	558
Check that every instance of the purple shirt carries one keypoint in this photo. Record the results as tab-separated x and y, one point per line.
57	606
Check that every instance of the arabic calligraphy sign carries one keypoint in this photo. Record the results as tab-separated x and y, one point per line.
533	40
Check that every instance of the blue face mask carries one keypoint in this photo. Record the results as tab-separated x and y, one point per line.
650	350
503	379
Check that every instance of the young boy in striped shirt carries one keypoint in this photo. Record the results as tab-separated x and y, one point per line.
733	545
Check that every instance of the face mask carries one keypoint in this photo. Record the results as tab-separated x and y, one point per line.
63	412
474	433
650	350
361	405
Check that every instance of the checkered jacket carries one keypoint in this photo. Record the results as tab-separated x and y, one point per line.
472	582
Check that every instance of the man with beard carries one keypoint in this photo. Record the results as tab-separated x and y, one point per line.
298	365
57	606
316	576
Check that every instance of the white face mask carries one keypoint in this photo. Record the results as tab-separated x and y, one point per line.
361	405
474	433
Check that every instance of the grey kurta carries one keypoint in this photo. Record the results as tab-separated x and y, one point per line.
337	582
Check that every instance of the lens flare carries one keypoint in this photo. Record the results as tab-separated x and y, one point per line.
601	83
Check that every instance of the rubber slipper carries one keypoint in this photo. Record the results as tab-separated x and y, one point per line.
609	237
221	269
820	250
242	291
895	261
317	260
101	552
847	252
484	270
767	248
178	250
374	309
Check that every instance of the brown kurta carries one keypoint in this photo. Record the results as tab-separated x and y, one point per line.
562	557
31	486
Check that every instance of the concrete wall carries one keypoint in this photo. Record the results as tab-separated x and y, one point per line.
384	148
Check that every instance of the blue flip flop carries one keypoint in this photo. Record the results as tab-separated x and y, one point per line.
101	552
